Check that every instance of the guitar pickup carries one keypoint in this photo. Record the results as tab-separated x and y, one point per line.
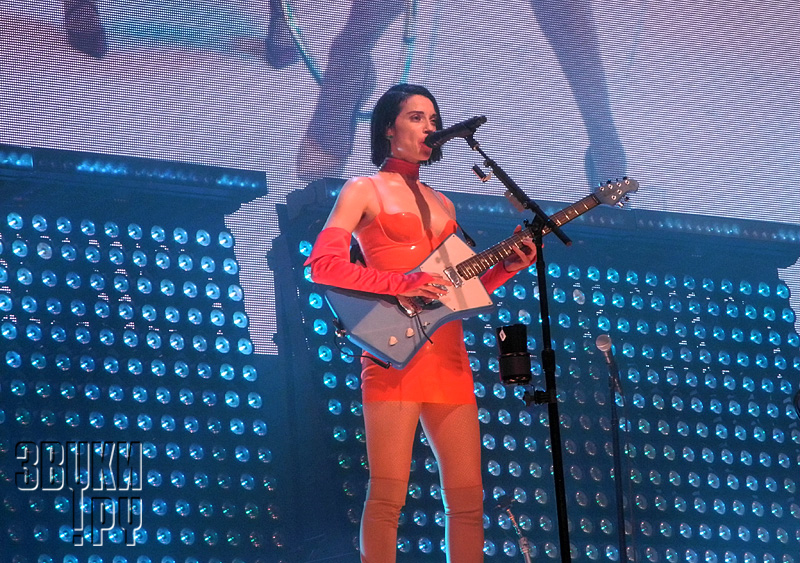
453	276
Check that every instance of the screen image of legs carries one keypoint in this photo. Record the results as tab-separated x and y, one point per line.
453	433
348	81
570	30
86	33
349	78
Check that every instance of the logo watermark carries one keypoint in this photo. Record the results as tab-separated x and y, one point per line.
97	474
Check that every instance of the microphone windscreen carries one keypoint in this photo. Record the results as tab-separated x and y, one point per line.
512	339
603	343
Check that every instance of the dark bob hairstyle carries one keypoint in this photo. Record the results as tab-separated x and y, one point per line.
385	113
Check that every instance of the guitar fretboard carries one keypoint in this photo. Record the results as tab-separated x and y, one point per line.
482	261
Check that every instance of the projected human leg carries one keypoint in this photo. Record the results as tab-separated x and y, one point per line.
85	31
349	79
570	30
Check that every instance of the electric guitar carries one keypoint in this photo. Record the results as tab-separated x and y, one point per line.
393	332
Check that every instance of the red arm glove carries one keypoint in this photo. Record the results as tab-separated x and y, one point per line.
330	265
496	276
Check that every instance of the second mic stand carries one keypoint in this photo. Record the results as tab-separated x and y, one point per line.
548	357
614	387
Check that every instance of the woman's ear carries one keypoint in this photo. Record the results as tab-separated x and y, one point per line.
390	132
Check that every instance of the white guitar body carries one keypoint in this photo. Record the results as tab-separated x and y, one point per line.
380	326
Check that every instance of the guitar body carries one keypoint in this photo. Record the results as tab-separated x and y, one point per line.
381	327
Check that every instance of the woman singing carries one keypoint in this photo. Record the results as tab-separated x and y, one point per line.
398	221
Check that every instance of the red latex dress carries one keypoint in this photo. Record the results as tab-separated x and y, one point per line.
439	372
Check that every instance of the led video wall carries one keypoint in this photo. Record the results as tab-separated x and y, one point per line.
697	102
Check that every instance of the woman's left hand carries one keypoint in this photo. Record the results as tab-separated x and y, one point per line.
523	257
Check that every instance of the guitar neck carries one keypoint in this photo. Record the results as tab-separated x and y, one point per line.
482	261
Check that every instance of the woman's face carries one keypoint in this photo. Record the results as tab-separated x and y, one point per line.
416	120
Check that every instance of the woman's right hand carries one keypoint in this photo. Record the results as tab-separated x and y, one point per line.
430	286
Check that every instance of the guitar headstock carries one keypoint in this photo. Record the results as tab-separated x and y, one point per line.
616	193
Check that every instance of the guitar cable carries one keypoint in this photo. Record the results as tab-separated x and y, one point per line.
422	329
340	334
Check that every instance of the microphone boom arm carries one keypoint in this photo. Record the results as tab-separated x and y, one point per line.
518	194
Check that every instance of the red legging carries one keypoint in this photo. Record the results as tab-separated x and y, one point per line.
454	436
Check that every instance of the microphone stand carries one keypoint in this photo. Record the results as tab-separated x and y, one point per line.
548	357
521	198
524	544
614	386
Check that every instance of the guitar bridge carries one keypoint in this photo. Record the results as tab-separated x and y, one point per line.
453	276
409	310
412	306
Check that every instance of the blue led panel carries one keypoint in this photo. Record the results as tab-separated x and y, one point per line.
136	424
708	359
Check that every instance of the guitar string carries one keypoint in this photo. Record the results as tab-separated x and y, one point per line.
477	264
472	266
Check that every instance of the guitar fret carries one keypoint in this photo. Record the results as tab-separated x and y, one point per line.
482	261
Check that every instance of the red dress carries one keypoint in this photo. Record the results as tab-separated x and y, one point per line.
439	372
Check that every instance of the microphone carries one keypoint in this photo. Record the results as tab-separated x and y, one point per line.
603	344
515	360
462	129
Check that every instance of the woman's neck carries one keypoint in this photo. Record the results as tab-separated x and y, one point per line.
406	169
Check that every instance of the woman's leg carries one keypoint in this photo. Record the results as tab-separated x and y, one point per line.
390	428
453	433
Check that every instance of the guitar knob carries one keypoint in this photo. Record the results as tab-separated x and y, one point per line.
392	341
409	332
